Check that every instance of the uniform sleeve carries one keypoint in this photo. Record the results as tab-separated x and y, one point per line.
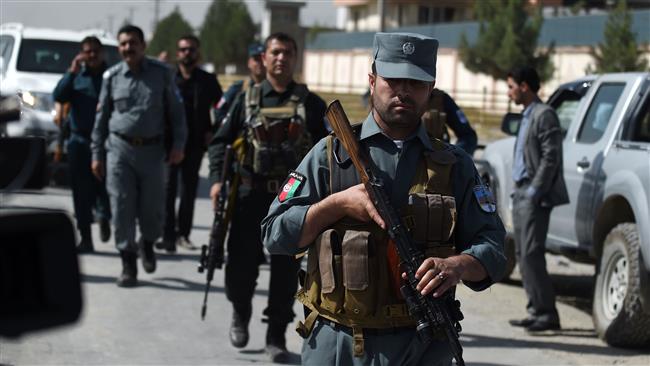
224	104
282	227
231	127
176	112
479	233
316	123
458	122
104	111
63	91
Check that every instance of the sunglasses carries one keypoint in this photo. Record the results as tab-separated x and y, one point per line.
187	49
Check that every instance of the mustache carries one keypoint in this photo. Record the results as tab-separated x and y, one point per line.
407	101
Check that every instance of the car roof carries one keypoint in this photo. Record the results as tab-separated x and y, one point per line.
57	34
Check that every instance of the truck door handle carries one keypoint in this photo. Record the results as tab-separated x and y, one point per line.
584	163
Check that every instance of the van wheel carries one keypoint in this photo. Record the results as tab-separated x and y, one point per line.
618	313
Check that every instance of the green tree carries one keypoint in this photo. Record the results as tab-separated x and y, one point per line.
226	32
507	38
619	51
167	32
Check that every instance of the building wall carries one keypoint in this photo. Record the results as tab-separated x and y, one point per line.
346	71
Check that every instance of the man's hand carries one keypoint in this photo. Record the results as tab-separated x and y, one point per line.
99	171
214	194
176	156
75	66
440	274
356	203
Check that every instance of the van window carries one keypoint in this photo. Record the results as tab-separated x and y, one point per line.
600	112
6	46
52	56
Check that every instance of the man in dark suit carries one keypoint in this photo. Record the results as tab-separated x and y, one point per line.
539	186
200	91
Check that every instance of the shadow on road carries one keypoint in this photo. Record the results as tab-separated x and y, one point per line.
165	283
294	358
544	342
573	290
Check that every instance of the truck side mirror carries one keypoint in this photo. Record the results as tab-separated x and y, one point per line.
510	123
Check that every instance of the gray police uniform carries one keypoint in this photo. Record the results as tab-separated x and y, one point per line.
479	233
128	135
478	230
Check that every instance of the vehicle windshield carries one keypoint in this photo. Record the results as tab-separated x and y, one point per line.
51	56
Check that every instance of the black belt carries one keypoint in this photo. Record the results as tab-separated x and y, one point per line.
139	141
365	331
523	182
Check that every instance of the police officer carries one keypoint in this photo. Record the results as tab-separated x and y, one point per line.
257	74
443	112
200	91
350	291
80	86
277	121
138	95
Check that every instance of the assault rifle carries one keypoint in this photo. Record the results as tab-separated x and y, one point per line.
429	313
212	255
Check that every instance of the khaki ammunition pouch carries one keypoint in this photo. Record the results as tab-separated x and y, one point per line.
348	279
277	137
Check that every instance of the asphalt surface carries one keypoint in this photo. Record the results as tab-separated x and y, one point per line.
159	323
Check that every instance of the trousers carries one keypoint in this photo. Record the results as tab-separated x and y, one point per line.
88	192
135	183
181	224
531	226
245	254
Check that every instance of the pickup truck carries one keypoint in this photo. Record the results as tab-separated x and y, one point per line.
606	124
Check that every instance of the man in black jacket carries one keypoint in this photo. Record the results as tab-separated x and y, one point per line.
539	186
200	91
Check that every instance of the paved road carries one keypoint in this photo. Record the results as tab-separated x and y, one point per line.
158	323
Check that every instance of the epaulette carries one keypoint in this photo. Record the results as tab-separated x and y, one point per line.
111	71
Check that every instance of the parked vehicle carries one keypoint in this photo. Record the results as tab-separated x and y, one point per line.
606	121
32	61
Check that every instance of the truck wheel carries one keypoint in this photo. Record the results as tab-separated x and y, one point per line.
618	314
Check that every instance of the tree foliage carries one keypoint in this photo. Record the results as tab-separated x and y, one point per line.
507	38
167	32
619	51
226	32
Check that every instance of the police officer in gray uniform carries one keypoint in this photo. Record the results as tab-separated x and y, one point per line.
354	313
138	96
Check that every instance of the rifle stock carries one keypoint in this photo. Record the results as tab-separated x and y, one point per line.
428	312
212	255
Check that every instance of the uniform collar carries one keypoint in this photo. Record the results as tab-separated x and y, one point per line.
85	71
143	65
267	88
371	128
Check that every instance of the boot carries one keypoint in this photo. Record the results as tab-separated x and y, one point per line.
168	245
276	347
129	276
104	230
148	256
241	315
86	243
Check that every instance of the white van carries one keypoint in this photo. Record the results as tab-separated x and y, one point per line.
32	61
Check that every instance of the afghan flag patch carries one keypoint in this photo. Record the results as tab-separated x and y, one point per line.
290	186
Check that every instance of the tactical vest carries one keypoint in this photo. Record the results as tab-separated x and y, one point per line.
347	279
277	137
435	118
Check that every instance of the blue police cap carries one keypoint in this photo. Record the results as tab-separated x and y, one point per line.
405	56
255	49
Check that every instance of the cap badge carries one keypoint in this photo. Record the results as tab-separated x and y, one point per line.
408	48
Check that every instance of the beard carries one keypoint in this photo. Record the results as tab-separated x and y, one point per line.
188	61
402	118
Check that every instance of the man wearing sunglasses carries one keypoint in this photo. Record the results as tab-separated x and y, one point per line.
200	91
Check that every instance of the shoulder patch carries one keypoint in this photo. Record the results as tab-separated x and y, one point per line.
485	198
291	185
